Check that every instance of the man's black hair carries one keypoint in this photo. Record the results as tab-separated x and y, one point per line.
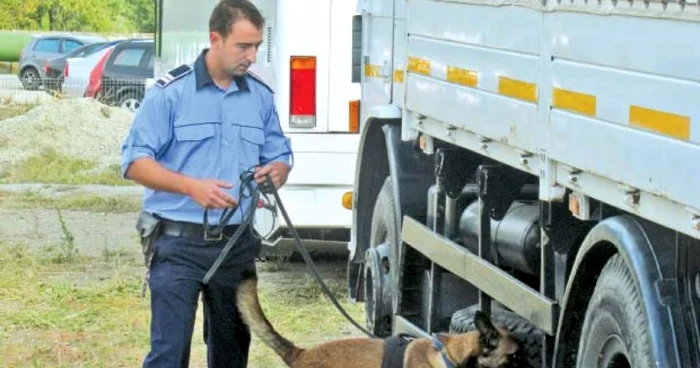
227	12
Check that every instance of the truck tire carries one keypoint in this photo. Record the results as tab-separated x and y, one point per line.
529	336
381	264
614	332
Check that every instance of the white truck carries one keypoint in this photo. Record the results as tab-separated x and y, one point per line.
538	160
305	57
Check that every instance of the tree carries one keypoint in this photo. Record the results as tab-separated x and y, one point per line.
142	15
17	14
78	15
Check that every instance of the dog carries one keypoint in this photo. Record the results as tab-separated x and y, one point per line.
486	347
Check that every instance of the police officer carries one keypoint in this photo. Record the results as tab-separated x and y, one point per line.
197	129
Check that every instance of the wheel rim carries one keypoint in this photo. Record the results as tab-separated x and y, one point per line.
30	77
613	353
130	104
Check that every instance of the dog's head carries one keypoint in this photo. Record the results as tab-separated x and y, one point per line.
499	349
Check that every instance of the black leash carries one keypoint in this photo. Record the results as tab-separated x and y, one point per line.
247	190
247	181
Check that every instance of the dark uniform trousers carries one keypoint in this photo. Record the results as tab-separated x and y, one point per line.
177	270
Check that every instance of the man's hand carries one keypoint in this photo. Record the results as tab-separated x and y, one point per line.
278	172
209	193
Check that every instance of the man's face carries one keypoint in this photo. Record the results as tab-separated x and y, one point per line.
238	51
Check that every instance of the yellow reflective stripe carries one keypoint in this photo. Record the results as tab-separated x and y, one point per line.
418	65
398	76
461	76
517	89
574	101
666	123
372	70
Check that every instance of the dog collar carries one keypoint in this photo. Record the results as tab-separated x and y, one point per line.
438	345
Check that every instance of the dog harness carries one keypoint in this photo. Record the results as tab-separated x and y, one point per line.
438	345
395	349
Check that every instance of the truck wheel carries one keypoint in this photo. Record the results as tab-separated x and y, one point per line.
381	264
529	336
614	330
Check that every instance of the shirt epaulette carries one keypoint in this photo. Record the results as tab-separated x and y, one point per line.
261	81
174	75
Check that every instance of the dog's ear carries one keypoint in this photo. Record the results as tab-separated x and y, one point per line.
488	334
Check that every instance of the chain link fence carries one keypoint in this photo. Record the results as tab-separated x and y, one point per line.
123	93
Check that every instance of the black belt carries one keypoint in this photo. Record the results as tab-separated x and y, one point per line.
192	230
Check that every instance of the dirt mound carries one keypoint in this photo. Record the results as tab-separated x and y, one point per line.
80	128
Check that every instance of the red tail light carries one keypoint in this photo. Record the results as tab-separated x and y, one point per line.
46	68
302	99
65	70
96	76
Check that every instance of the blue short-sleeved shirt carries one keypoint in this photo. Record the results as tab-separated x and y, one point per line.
191	126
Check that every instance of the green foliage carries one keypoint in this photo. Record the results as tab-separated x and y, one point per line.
18	14
78	15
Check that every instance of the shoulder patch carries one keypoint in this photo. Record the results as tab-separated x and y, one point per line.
174	75
261	81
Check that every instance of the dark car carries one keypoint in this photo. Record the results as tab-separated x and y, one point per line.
120	78
53	71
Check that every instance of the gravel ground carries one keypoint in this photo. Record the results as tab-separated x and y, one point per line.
67	190
93	233
80	128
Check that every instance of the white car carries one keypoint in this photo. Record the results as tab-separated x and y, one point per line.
78	70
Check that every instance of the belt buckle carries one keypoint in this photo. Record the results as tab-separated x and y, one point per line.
208	234
209	237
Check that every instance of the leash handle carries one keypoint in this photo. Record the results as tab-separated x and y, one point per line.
267	187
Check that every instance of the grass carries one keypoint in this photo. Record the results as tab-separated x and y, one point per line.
53	317
51	167
11	110
87	312
83	202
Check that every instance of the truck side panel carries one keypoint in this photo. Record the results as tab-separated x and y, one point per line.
483	77
624	118
648	45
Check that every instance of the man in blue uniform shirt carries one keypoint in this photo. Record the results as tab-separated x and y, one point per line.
195	132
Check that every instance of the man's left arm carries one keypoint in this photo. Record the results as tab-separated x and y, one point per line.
276	156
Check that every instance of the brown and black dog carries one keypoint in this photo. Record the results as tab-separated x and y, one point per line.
486	347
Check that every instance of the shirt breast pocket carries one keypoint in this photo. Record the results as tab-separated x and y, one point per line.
195	132
196	150
252	140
